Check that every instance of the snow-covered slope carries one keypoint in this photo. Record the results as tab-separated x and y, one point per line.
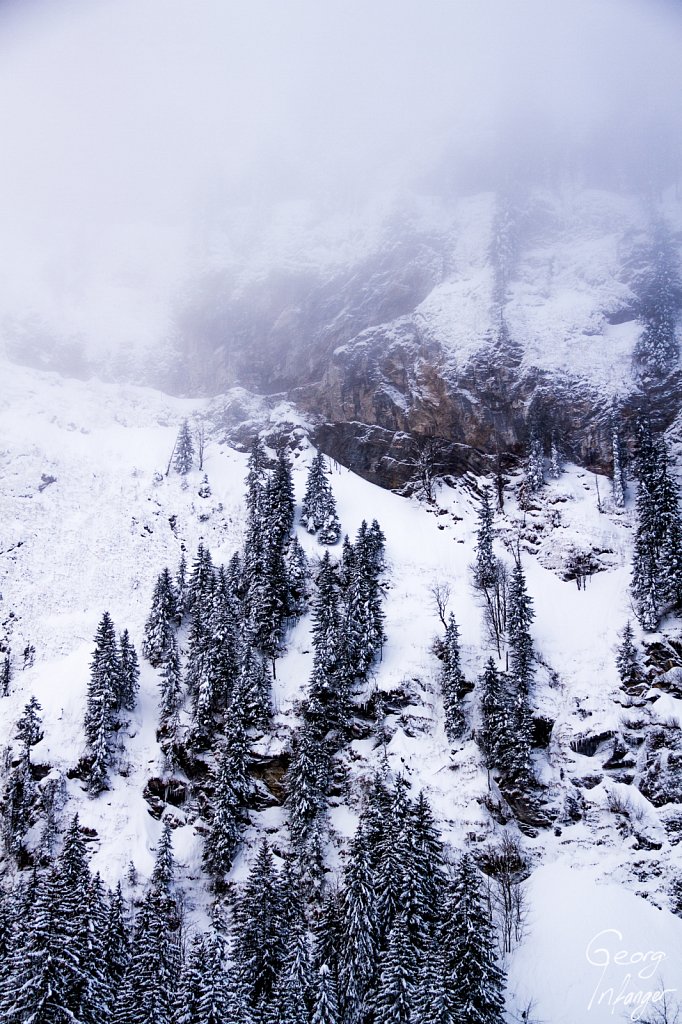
97	536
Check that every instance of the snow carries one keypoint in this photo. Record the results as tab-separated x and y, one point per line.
97	537
570	274
593	952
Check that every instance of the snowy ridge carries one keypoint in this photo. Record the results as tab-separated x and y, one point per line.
98	535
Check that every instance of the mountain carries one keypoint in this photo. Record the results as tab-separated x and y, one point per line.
461	319
90	517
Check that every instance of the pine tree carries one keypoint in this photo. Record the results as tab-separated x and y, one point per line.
18	804
496	735
434	1002
627	660
29	726
147	994
183	458
452	681
318	510
520	615
296	570
103	687
395	997
46	975
117	939
259	948
326	1009
657	350
129	673
170	687
657	562
181	590
164	864
472	973
305	783
251	698
223	835
5	674
485	569
326	619
535	465
201	580
427	861
161	621
294	991
256	478
281	517
188	1009
328	933
360	946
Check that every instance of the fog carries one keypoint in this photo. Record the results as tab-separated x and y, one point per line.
130	129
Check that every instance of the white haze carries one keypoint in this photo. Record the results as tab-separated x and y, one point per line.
130	128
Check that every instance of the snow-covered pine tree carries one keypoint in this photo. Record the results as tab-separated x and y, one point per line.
472	973
535	465
427	860
496	735
395	996
294	992
326	1010
627	659
434	1002
657	561
520	615
161	620
117	939
5	674
452	681
29	727
360	947
201	581
171	693
485	567
259	937
129	673
390	861
256	477
305	783
148	990
223	640
183	457
45	972
318	510
281	503
251	698
101	701
328	933
181	590
296	569
657	350
490	574
188	1009
18	801
224	831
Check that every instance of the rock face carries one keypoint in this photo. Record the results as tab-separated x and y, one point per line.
462	334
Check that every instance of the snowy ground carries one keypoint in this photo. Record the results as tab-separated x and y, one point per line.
97	537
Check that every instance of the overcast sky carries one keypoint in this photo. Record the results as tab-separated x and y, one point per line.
122	121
